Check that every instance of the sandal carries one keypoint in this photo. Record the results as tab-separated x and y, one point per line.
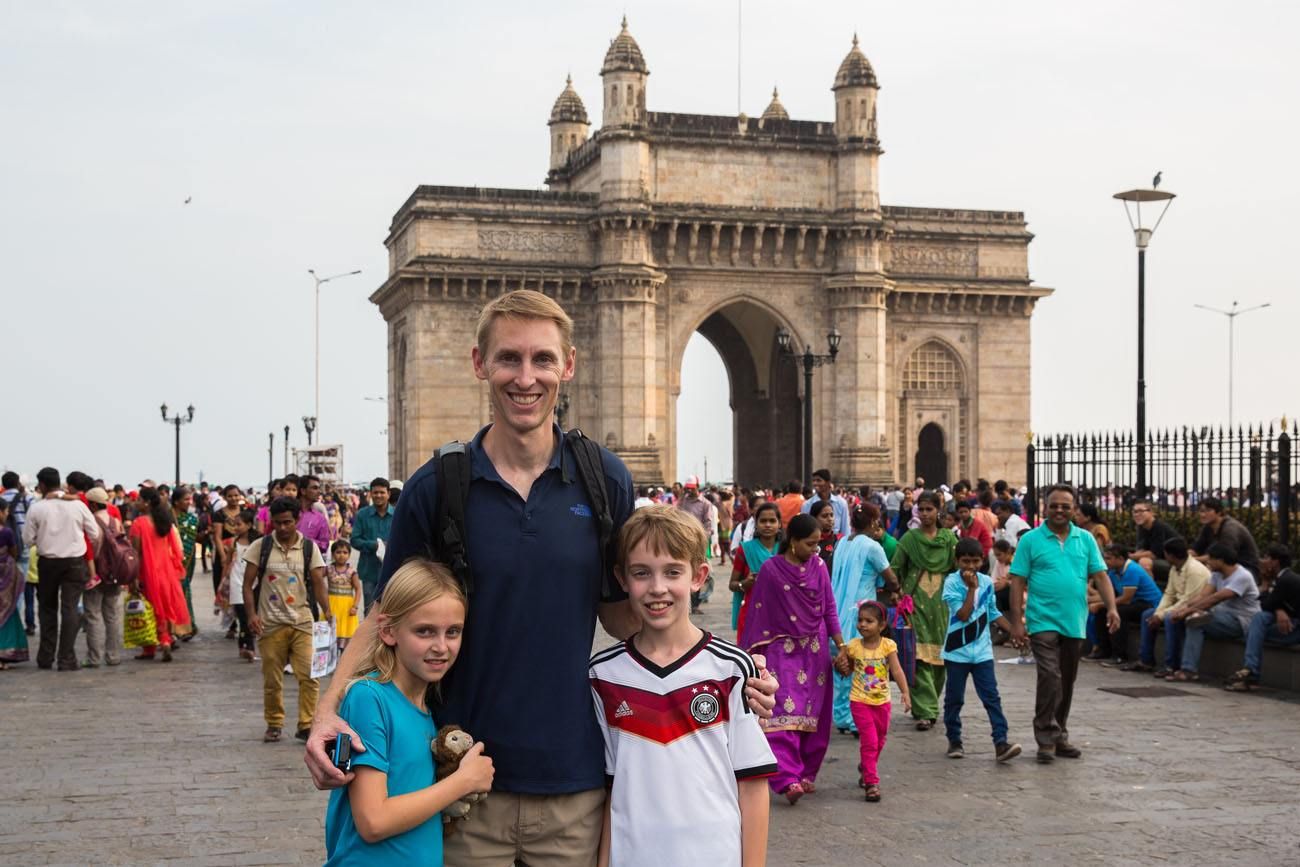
1184	676
271	735
1245	684
808	787
1240	674
924	725
873	793
794	793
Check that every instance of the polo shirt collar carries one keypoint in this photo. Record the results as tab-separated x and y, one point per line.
480	465
296	543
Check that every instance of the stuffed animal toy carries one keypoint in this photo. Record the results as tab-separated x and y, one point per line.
449	747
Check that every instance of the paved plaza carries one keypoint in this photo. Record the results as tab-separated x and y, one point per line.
153	763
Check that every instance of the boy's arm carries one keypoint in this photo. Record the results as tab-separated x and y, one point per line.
754	804
602	854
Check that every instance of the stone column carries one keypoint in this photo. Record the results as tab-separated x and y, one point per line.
858	421
626	359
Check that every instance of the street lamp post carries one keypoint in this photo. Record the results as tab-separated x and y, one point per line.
1142	237
810	363
286	450
270	456
1231	315
309	424
319	281
178	420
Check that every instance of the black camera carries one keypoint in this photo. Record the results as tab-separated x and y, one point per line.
340	750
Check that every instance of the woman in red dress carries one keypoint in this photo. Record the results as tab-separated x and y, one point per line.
162	566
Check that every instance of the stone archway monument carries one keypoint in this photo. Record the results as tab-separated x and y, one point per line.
660	225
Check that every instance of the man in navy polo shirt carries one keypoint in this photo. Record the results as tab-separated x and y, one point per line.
520	684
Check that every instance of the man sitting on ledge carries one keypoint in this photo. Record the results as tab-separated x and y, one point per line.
1187	576
1277	619
1223	610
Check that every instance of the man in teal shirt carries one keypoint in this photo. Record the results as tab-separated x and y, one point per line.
1055	561
370	527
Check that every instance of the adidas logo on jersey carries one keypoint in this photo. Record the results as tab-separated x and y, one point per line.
623	710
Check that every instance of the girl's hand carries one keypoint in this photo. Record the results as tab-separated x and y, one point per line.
352	610
842	664
907	703
476	770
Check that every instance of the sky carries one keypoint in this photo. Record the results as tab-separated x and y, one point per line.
298	129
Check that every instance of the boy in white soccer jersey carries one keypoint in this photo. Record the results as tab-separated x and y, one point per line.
685	758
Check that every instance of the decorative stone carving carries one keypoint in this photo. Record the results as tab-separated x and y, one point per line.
933	259
513	241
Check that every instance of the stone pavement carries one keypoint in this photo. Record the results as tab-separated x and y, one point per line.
153	763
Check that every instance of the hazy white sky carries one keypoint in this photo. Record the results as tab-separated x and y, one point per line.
299	128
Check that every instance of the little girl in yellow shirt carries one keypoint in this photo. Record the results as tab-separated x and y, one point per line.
871	660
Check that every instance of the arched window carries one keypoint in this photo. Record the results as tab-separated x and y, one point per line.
631	98
932	367
862	110
613	94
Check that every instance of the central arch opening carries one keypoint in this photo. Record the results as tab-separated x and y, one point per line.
740	398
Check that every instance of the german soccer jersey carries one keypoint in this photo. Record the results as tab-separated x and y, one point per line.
677	738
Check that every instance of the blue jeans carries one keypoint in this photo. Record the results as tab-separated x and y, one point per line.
1174	632
986	687
1263	628
1220	625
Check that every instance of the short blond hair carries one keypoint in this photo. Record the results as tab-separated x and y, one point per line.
524	304
664	530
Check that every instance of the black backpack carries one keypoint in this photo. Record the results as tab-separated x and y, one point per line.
453	496
264	557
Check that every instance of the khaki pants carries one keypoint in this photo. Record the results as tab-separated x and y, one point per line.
281	645
103	612
537	830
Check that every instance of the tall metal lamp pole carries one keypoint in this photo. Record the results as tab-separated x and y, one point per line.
1232	315
1142	236
319	280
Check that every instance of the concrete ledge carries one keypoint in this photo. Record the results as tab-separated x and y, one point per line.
1280	668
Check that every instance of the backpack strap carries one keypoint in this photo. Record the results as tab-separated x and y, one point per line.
264	558
453	494
591	471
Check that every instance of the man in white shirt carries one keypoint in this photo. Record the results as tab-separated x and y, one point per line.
1010	525
59	526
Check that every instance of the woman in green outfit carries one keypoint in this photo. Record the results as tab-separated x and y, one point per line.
187	524
922	561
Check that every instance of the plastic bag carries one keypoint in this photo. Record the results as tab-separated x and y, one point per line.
139	626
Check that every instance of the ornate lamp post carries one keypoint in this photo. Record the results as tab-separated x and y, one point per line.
286	450
1142	236
810	363
309	424
178	420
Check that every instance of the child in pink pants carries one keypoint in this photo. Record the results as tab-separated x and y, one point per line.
870	660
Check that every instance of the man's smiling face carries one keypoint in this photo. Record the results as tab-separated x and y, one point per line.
524	365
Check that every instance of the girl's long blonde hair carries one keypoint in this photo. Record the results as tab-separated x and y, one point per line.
416	582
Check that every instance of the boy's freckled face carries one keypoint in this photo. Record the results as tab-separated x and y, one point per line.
659	586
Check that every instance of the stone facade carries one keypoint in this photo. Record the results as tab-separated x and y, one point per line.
661	225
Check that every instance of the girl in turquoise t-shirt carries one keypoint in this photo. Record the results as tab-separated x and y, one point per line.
389	812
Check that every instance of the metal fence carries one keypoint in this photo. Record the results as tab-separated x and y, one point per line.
1253	470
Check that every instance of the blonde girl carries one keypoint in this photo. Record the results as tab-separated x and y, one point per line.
388	813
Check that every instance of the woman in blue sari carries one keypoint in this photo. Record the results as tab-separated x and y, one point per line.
861	568
751	557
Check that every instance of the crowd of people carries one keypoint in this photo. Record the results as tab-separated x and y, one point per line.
842	601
